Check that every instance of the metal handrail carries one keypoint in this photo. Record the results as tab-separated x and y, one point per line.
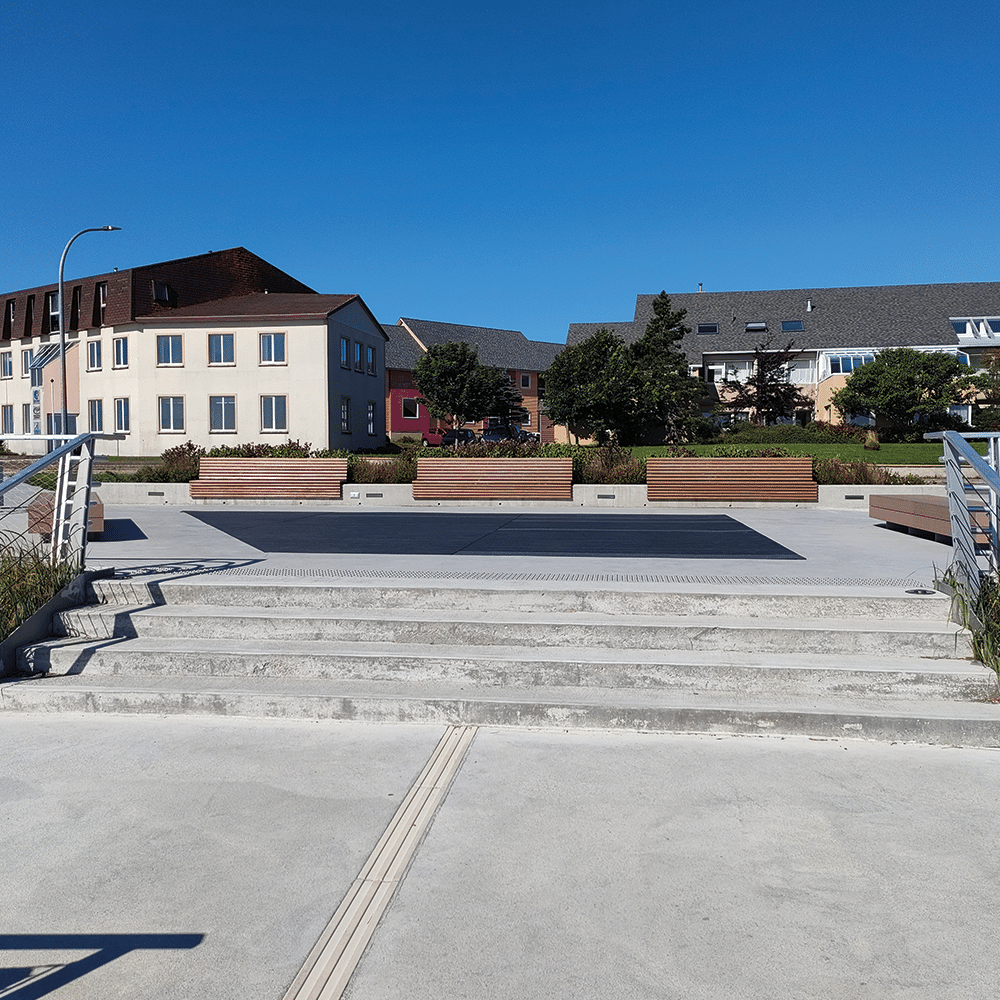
969	553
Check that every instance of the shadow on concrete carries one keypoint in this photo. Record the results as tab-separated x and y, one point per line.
120	529
626	536
26	982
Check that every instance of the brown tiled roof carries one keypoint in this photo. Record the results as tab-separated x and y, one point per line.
262	305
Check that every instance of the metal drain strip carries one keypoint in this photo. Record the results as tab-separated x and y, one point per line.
328	968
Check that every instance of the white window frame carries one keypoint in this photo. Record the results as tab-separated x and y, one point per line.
102	301
26	418
227	404
95	416
123	422
6	364
223	341
372	416
268	415
525	380
121	352
372	361
171	340
415	415
272	339
94	355
27	356
52	304
7	418
176	403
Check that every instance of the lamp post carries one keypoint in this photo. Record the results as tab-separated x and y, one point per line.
62	319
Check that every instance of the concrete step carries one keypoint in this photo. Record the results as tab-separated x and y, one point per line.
487	597
816	715
517	667
501	627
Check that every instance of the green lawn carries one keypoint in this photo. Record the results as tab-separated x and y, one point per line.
921	453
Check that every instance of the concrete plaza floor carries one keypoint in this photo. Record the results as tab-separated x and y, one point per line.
579	864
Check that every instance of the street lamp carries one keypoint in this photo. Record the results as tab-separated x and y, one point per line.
62	318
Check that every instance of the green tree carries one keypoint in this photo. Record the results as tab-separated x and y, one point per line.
903	387
455	386
767	389
592	388
666	393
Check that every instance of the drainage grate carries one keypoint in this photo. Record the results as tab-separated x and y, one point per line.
424	575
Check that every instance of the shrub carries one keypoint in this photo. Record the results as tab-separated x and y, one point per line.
834	472
871	441
735	451
397	469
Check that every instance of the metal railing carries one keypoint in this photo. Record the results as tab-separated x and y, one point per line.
973	505
48	503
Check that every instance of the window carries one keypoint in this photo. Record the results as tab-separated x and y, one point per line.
96	411
357	357
8	320
371	360
220	349
93	355
6	365
29	315
960	326
169	350
122	424
791	325
844	364
74	309
7	419
963	359
994	323
274	413
100	302
26	418
708	327
371	417
222	414
345	414
26	358
345	352
171	413
272	348
121	352
163	294
411	409
52	308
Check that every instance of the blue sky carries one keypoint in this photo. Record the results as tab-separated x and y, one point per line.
522	166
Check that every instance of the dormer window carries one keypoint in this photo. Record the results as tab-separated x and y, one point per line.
163	294
52	307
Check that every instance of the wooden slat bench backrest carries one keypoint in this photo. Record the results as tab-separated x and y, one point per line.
493	479
269	478
726	479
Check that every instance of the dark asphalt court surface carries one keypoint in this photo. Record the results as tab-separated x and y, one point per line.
632	536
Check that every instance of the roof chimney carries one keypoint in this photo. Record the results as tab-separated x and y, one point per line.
809	305
700	289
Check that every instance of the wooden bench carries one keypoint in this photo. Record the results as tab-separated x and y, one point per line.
731	479
919	512
40	515
269	479
493	479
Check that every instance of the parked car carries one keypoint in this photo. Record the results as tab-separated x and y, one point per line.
431	438
460	436
498	433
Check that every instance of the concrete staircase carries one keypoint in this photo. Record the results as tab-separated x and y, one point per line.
882	667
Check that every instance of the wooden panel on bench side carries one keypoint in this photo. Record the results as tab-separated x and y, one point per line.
725	479
920	512
269	478
493	479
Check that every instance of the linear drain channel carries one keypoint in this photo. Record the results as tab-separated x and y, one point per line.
322	573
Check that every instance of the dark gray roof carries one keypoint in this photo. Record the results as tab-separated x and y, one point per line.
401	351
499	348
870	316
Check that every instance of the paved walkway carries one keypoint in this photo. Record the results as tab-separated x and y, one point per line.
201	858
727	548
